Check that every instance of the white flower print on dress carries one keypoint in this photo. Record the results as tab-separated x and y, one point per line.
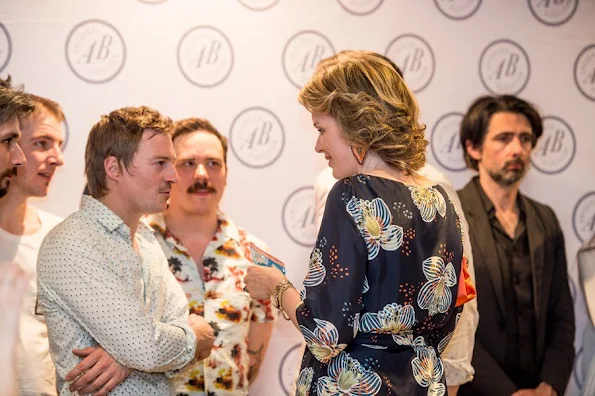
435	295
346	376
304	382
316	271
324	341
393	319
429	201
374	221
427	368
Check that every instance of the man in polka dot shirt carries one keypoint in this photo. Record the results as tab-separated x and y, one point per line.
117	319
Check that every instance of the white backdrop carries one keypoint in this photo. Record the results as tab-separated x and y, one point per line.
239	63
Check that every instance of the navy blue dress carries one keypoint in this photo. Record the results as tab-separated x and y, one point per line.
379	297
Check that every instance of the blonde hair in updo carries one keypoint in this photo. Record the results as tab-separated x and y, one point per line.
372	106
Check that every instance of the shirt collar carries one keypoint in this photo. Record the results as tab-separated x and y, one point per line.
489	205
104	215
226	229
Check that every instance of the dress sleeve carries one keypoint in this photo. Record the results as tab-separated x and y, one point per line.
332	292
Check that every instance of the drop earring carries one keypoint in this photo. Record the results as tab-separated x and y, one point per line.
359	154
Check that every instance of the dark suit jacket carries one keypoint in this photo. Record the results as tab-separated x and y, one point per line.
553	305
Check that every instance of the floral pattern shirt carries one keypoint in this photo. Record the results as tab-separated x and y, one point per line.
223	302
379	297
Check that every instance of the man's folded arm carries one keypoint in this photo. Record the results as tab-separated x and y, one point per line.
106	304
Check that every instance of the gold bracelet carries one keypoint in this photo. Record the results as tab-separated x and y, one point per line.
278	296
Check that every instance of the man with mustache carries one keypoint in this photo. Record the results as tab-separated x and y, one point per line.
524	341
209	256
22	229
117	319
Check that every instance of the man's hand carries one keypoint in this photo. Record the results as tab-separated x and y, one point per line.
99	371
204	336
525	392
545	389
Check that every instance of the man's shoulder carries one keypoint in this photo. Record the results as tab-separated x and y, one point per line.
48	220
545	213
247	237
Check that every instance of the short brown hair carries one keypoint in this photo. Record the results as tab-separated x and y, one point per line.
189	125
372	106
48	106
119	134
14	103
476	121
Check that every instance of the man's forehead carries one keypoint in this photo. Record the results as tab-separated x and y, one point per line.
199	143
10	128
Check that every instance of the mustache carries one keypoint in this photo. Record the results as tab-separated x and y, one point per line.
515	162
201	186
9	172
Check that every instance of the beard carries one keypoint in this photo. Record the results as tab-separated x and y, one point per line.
507	177
5	182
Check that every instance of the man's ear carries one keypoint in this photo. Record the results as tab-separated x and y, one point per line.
474	152
112	167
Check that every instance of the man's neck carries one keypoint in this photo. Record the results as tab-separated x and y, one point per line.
503	198
16	216
123	210
182	224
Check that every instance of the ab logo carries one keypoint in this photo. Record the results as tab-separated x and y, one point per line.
504	67
5	47
414	56
583	217
257	137
95	51
584	72
299	217
458	9
553	12
445	142
302	53
555	148
205	56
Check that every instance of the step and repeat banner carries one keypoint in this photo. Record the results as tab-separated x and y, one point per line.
240	63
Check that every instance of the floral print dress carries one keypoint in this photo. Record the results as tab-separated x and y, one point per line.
379	297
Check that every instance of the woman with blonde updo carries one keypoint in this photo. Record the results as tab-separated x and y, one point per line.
379	302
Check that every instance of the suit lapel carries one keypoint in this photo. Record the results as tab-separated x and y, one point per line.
483	241
536	245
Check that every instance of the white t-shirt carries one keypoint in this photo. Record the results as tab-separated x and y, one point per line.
35	369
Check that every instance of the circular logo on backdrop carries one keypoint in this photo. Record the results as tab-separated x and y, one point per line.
95	51
553	12
299	217
5	47
584	72
360	7
555	148
290	364
445	142
257	137
258	5
583	217
205	56
458	9
66	130
302	53
414	56
504	67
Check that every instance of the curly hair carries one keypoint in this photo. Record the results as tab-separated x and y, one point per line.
119	134
14	103
373	107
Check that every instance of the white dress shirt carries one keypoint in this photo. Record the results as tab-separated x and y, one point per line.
95	290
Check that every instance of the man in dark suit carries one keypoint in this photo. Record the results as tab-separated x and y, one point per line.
524	341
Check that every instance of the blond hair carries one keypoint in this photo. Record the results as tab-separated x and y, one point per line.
372	106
